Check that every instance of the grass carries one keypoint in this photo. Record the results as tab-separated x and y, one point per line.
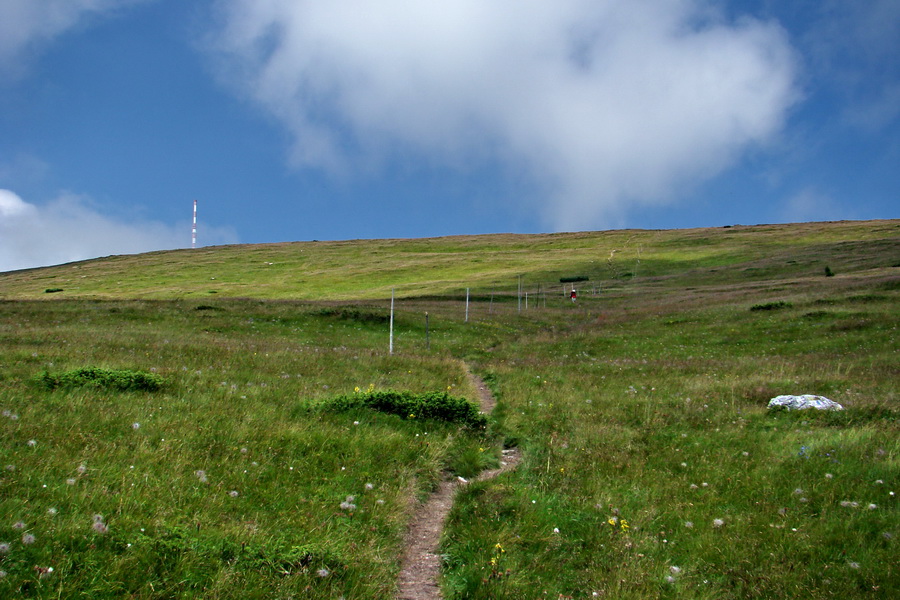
661	421
363	270
222	483
651	467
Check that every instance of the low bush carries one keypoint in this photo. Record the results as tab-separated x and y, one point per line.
353	314
777	305
439	406
124	380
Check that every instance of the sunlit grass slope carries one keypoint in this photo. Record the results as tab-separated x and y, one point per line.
226	482
367	269
651	467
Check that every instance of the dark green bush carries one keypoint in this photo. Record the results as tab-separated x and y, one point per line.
52	290
124	380
574	279
771	305
353	314
439	406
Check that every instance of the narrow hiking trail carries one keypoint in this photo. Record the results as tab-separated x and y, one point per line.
421	565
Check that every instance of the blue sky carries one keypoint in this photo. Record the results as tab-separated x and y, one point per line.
298	119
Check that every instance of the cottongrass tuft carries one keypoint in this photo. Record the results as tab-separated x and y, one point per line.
798	491
675	570
234	493
82	469
323	573
370	486
853	565
872	506
828	476
689	524
19	525
849	504
70	481
717	523
32	443
4	547
670	579
348	505
52	511
201	475
100	527
28	539
98	518
135	425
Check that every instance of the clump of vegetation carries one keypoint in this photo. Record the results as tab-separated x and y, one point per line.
777	305
439	406
125	380
828	271
52	290
353	314
574	279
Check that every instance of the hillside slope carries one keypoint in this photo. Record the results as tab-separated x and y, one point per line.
370	269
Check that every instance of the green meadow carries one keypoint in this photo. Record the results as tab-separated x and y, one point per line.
214	423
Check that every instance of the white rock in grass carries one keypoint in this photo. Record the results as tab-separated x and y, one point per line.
803	402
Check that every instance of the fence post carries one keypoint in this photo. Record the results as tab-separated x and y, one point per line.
391	339
467	305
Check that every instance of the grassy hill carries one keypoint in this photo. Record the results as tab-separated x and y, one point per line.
194	424
369	269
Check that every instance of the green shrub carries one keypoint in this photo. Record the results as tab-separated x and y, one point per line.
574	279
439	406
353	314
771	305
124	380
52	290
828	271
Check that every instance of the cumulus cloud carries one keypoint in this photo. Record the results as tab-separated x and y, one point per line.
602	104
69	229
26	25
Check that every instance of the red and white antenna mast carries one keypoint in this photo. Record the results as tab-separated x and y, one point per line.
194	228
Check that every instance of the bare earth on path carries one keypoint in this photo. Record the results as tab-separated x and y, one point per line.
421	564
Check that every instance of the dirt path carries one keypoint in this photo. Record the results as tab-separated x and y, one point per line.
421	564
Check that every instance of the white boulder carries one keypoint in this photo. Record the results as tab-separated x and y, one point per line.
803	402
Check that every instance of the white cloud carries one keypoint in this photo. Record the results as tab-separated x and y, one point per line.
602	103
26	25
69	229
